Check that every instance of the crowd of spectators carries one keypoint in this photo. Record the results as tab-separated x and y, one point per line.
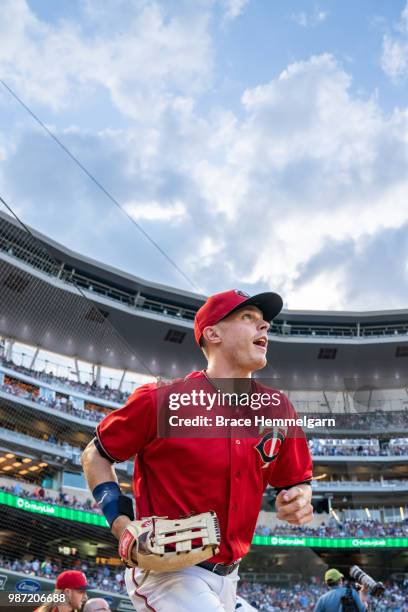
101	577
349	528
373	420
318	447
364	420
362	448
21	430
369	420
390	484
60	498
92	389
61	404
304	596
263	597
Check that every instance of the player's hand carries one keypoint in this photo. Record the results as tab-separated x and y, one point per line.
293	505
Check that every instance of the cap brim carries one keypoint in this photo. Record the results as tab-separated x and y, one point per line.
269	303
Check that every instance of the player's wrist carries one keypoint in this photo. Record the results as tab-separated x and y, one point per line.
112	502
119	525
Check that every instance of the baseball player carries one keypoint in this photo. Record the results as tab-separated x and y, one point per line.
183	562
72	584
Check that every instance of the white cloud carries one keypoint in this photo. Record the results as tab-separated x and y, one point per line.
142	63
253	201
403	22
394	59
325	291
306	173
155	211
233	8
312	164
311	19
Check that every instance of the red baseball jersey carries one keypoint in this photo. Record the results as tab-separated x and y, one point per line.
175	477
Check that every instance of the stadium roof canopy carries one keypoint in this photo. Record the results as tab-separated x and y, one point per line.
64	302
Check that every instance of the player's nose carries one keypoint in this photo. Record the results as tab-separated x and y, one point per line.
263	325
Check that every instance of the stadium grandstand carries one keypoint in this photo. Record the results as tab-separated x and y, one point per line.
77	337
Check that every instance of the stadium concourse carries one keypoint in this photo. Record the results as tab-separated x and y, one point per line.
77	337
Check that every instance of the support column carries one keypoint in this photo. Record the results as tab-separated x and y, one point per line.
34	359
77	369
121	380
8	349
60	271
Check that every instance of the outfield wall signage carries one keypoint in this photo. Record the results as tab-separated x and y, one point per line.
61	512
91	518
313	542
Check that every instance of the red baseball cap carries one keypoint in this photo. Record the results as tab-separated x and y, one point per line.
220	305
72	579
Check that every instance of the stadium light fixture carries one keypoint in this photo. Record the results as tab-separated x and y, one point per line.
7	468
33	468
368	513
402	513
27	460
2	459
16	464
23	472
43	464
10	455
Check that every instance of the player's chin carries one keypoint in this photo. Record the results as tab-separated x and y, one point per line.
259	361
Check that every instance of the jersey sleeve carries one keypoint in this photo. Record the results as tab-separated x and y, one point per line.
293	464
126	431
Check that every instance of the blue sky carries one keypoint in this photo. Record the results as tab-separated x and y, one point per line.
262	144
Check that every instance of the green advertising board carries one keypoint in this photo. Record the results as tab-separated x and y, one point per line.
91	518
38	507
313	542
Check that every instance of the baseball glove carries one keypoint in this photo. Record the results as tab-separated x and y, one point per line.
165	545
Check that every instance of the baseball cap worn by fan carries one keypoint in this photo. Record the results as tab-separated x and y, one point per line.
72	579
220	305
333	574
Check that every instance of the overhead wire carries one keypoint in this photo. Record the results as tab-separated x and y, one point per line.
89	174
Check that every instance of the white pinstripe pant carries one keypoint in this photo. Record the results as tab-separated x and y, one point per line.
193	589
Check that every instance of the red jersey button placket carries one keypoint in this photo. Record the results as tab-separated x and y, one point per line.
236	458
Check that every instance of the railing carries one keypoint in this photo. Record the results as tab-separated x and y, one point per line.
389	485
141	302
61	450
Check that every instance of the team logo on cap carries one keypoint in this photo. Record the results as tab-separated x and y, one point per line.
242	293
269	446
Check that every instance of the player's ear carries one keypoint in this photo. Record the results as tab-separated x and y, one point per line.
211	335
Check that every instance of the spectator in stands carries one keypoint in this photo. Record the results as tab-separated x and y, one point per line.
96	604
333	600
46	567
73	585
62	497
17	489
39	492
